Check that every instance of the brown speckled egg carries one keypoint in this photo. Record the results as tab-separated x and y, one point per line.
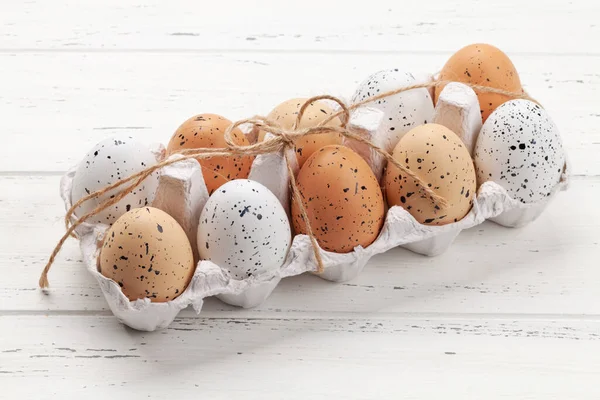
482	64
285	115
208	130
148	254
440	159
342	198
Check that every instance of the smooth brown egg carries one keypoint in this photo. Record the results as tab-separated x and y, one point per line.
440	159
482	64
208	131
285	115
342	198
148	254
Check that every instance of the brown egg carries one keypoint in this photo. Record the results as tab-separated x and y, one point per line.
208	130
285	115
440	159
342	198
482	64
148	254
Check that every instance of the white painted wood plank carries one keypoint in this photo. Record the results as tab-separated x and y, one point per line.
55	107
535	26
548	267
291	358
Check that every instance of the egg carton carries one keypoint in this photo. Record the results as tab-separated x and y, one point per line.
182	193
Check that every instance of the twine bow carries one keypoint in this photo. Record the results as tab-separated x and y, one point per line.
283	140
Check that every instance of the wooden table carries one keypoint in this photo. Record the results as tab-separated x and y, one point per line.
505	313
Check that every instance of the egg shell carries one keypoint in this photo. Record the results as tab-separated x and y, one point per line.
425	77
244	229
285	115
208	131
342	198
520	149
486	65
148	254
440	159
107	162
402	111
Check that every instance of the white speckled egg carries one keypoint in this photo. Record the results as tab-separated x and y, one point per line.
244	229
109	161
403	111
520	149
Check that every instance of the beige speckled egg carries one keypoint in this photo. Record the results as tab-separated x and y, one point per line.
440	159
342	198
148	254
285	115
486	65
208	130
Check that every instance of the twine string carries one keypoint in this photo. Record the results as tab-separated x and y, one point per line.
282	140
294	186
344	111
426	85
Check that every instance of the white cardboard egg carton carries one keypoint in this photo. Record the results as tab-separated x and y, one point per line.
182	193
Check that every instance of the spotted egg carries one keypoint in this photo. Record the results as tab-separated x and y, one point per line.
285	115
519	148
148	254
485	65
342	199
208	131
402	111
109	161
441	161
244	229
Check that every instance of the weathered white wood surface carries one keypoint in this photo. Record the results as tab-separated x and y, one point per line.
538	26
503	314
314	356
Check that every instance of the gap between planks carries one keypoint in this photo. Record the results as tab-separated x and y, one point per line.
291	315
275	51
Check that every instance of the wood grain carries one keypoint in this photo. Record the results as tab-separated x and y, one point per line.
299	358
536	26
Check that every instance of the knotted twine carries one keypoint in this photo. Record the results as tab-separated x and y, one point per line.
283	141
